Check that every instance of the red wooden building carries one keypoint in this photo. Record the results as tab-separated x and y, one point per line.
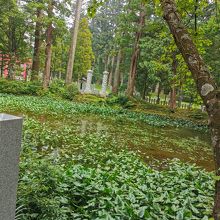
23	66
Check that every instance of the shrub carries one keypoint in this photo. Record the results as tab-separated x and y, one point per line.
120	188
56	89
33	87
19	87
121	100
70	91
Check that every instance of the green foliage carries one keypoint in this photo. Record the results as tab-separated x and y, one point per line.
198	115
70	91
84	54
13	30
120	100
48	105
92	178
100	182
19	87
57	89
92	99
122	188
104	27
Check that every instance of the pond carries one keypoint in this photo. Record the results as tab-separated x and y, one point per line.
147	141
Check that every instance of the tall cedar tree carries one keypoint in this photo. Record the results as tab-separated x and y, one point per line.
206	85
37	44
84	54
136	52
72	50
48	50
116	82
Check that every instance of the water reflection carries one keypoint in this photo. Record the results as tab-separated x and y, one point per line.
148	141
154	142
88	126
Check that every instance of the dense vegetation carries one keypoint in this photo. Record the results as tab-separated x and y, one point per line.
57	89
48	106
91	177
65	63
100	184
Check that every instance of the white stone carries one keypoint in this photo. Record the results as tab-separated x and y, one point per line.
88	89
185	37
206	89
192	60
104	84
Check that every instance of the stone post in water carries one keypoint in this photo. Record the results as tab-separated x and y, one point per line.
104	84
88	88
10	145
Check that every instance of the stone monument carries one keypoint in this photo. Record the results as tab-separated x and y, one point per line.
88	89
10	145
104	84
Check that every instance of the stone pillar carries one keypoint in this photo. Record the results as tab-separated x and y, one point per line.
10	145
104	84
88	88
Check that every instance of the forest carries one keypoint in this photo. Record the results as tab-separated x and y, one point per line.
120	101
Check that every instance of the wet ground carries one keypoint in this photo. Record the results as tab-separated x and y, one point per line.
153	142
148	141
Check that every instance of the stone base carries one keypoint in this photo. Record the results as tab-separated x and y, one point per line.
10	144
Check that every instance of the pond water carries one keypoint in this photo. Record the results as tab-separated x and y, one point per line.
148	141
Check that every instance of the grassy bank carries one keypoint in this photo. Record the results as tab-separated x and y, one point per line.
57	108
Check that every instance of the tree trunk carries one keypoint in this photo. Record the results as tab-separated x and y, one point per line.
180	94
2	65
48	50
107	63
111	72
172	101
206	86
37	44
117	74
135	55
145	87
158	93
173	89
72	50
11	64
121	78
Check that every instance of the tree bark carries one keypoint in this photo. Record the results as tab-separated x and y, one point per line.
72	50
158	93
107	63
111	72
48	50
145	87
37	44
121	76
117	74
172	102
206	86
135	55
